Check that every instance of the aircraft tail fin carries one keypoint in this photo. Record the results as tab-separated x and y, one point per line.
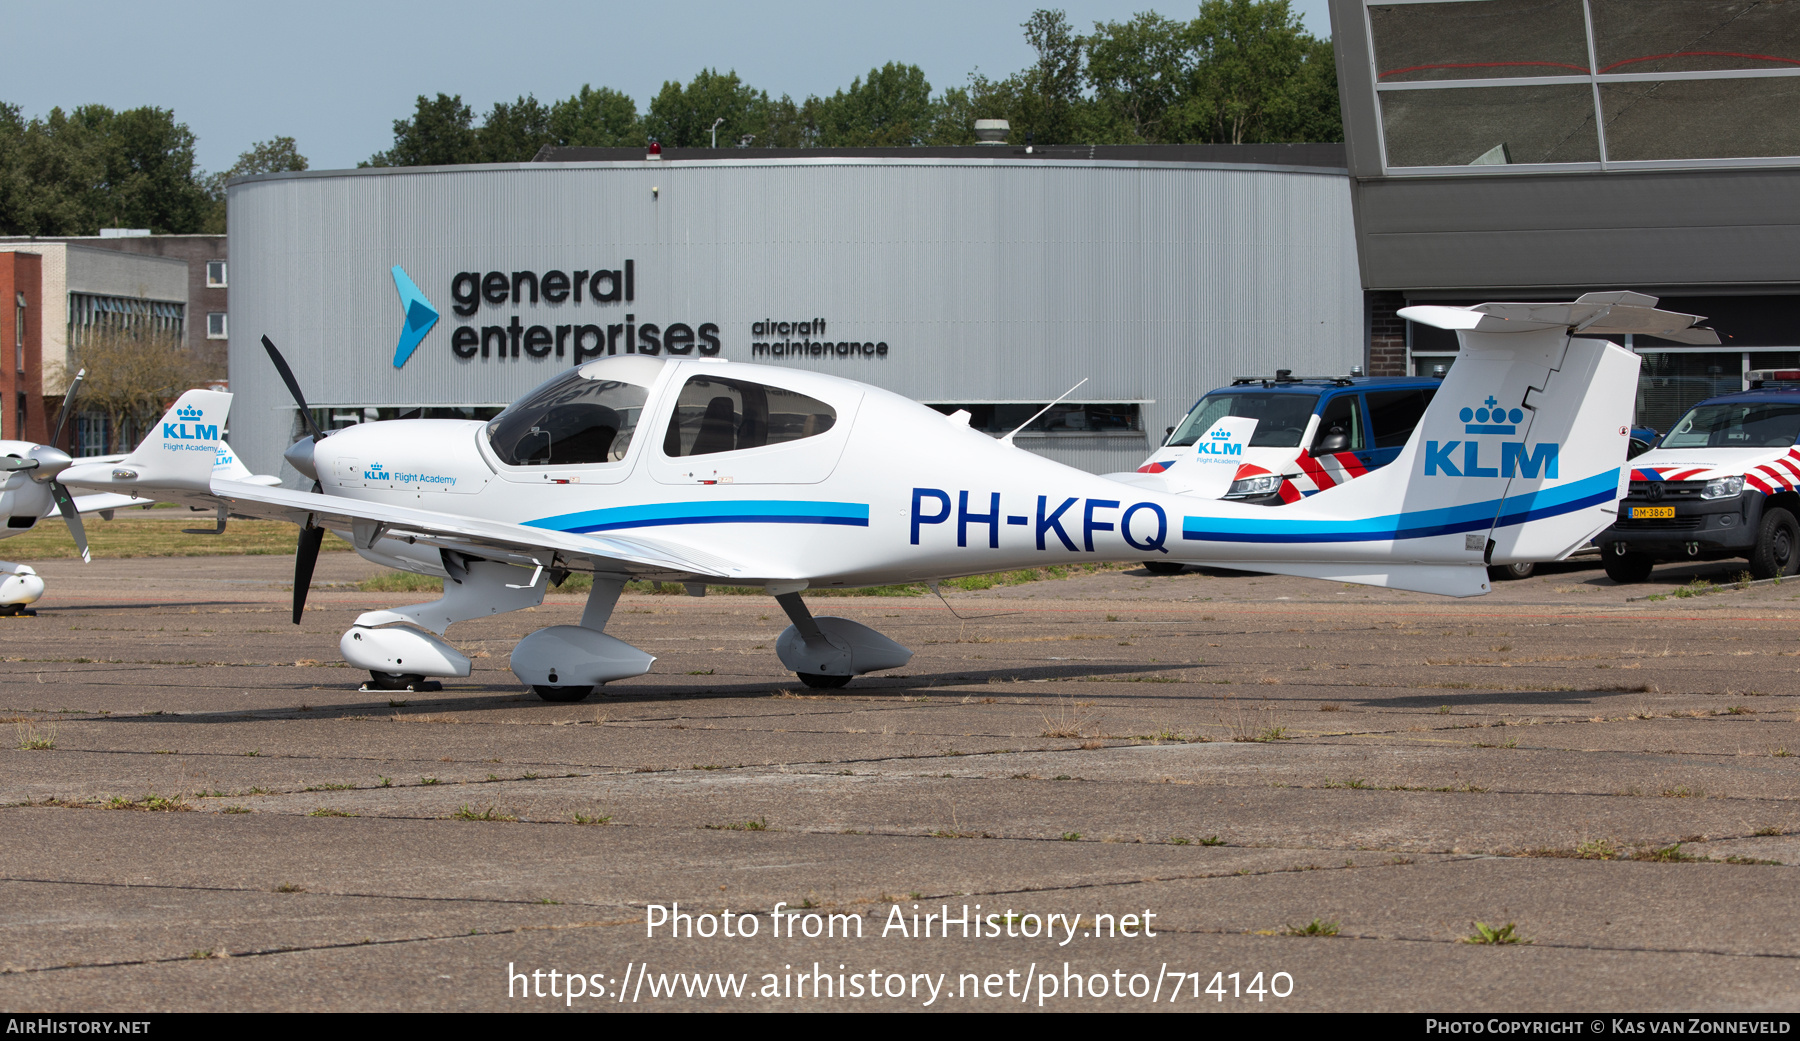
178	454
1520	456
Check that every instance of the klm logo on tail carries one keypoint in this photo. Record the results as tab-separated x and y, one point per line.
1516	458
188	426
1219	443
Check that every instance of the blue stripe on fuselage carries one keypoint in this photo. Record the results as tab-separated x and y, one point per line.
751	511
1477	516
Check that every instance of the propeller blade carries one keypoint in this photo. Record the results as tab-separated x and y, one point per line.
305	556
11	463
65	505
293	386
68	408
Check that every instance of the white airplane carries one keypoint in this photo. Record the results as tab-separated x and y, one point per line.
710	472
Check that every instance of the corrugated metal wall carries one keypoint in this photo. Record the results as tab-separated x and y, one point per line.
988	279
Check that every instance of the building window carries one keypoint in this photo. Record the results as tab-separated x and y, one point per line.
91	314
1466	85
215	274
215	325
90	433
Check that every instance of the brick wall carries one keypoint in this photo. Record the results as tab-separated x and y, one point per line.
1386	331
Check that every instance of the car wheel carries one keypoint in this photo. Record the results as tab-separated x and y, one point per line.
1626	568
1777	545
1164	567
1510	572
562	694
821	681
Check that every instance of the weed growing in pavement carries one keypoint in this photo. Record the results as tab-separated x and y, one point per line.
1069	721
326	811
465	812
1212	840
1354	782
1071	836
1665	855
582	818
1316	927
290	887
31	739
428	780
152	802
759	824
235	809
1682	791
1331	706
1443	710
1487	934
1597	849
1177	840
1771	830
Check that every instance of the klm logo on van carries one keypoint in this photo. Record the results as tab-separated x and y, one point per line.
188	426
1219	443
1516	459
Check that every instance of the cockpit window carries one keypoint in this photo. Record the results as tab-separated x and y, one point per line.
721	415
1281	419
569	421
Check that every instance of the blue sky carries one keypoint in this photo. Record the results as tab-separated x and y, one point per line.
334	75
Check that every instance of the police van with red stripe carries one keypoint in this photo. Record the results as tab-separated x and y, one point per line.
1311	433
1723	482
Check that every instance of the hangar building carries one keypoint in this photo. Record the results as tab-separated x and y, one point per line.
1540	149
990	278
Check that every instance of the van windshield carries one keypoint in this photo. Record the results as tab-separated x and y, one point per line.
1738	424
1280	418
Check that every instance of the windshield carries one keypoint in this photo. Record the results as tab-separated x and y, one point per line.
1738	424
1280	418
569	420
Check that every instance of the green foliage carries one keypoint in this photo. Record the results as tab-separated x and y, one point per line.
592	118
1488	934
441	132
892	108
75	172
1316	927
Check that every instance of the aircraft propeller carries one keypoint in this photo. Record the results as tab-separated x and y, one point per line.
46	461
299	456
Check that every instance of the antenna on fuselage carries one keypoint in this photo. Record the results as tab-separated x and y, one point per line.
1008	439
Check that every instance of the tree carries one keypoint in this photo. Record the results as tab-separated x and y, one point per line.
514	133
892	108
76	172
276	155
440	133
1139	70
682	117
592	118
133	374
1250	71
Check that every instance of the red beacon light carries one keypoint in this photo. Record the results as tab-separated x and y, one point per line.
655	151
1785	379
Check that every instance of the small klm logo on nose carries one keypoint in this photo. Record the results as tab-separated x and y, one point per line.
1491	420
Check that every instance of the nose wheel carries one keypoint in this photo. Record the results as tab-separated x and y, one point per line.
820	681
400	681
563	694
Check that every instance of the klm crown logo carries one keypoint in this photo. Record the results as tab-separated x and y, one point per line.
1221	435
1491	420
189	414
420	316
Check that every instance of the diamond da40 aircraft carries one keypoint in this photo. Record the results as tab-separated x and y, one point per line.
704	471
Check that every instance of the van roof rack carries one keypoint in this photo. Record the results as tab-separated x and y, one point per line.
1287	376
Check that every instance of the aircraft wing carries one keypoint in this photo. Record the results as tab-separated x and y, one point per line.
494	540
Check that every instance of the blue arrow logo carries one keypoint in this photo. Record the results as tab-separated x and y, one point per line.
420	316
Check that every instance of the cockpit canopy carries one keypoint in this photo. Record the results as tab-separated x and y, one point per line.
579	417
